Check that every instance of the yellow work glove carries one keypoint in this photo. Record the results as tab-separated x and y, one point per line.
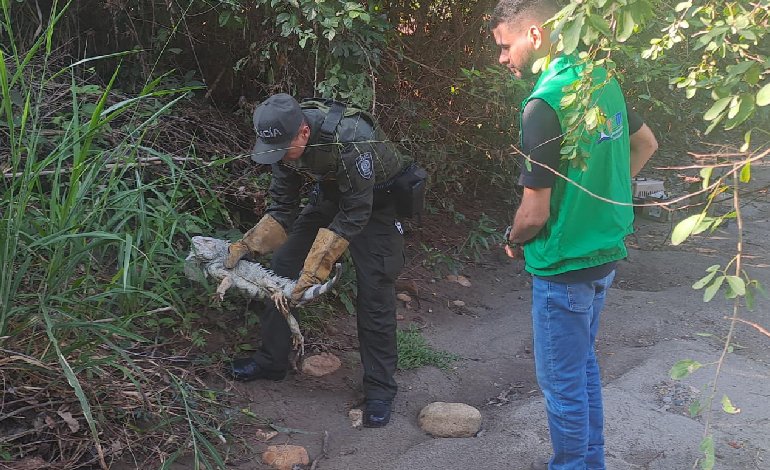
261	239
326	249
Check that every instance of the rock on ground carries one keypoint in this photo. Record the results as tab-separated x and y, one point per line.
285	457
450	420
321	364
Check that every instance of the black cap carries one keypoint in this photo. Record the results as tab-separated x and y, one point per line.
276	122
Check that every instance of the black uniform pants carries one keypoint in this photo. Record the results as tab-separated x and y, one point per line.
378	256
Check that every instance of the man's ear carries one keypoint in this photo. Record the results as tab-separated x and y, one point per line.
305	131
535	36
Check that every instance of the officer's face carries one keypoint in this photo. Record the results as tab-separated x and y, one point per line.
298	144
519	47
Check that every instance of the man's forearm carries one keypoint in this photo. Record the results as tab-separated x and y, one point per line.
524	227
532	214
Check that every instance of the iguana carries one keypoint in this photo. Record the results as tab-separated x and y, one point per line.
206	258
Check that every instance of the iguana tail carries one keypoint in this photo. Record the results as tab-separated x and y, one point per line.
318	290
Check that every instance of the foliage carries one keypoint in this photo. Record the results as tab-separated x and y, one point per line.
724	54
345	38
439	261
91	245
414	352
723	47
482	238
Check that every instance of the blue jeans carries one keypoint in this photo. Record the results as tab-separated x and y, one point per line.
565	320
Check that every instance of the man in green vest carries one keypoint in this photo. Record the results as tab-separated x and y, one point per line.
353	165
571	239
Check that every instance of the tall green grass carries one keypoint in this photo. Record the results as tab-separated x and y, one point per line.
89	242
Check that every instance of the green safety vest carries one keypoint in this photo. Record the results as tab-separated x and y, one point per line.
583	231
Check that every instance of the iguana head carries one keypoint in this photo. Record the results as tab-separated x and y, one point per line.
207	248
203	250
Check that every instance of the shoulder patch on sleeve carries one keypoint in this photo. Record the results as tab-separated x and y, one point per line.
365	165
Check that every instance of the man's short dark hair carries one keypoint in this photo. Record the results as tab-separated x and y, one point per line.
514	11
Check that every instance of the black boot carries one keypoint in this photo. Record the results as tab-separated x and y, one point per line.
247	369
376	413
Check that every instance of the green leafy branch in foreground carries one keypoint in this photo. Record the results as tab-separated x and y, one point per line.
721	46
736	286
723	53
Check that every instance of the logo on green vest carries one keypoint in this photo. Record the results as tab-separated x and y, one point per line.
612	128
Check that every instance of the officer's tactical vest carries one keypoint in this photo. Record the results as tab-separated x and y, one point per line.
346	132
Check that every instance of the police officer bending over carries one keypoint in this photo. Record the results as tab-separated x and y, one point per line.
345	153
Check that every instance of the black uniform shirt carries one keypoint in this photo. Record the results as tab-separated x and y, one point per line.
359	159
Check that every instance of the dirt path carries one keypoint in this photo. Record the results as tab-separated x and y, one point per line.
652	319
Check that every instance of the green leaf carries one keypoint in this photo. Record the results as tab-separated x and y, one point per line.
72	379
752	74
716	109
567	100
348	304
744	109
592	118
763	95
224	17
713	125
282	18
746	141
760	288
746	173
571	34
705	174
712	290
705	224
707	447
695	408
685	228
541	64
625	25
750	299
704	281
600	24
740	68
684	368
737	284
727	406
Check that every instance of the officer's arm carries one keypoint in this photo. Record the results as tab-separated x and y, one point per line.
284	192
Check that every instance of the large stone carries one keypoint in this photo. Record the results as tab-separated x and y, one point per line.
321	364
450	420
285	457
